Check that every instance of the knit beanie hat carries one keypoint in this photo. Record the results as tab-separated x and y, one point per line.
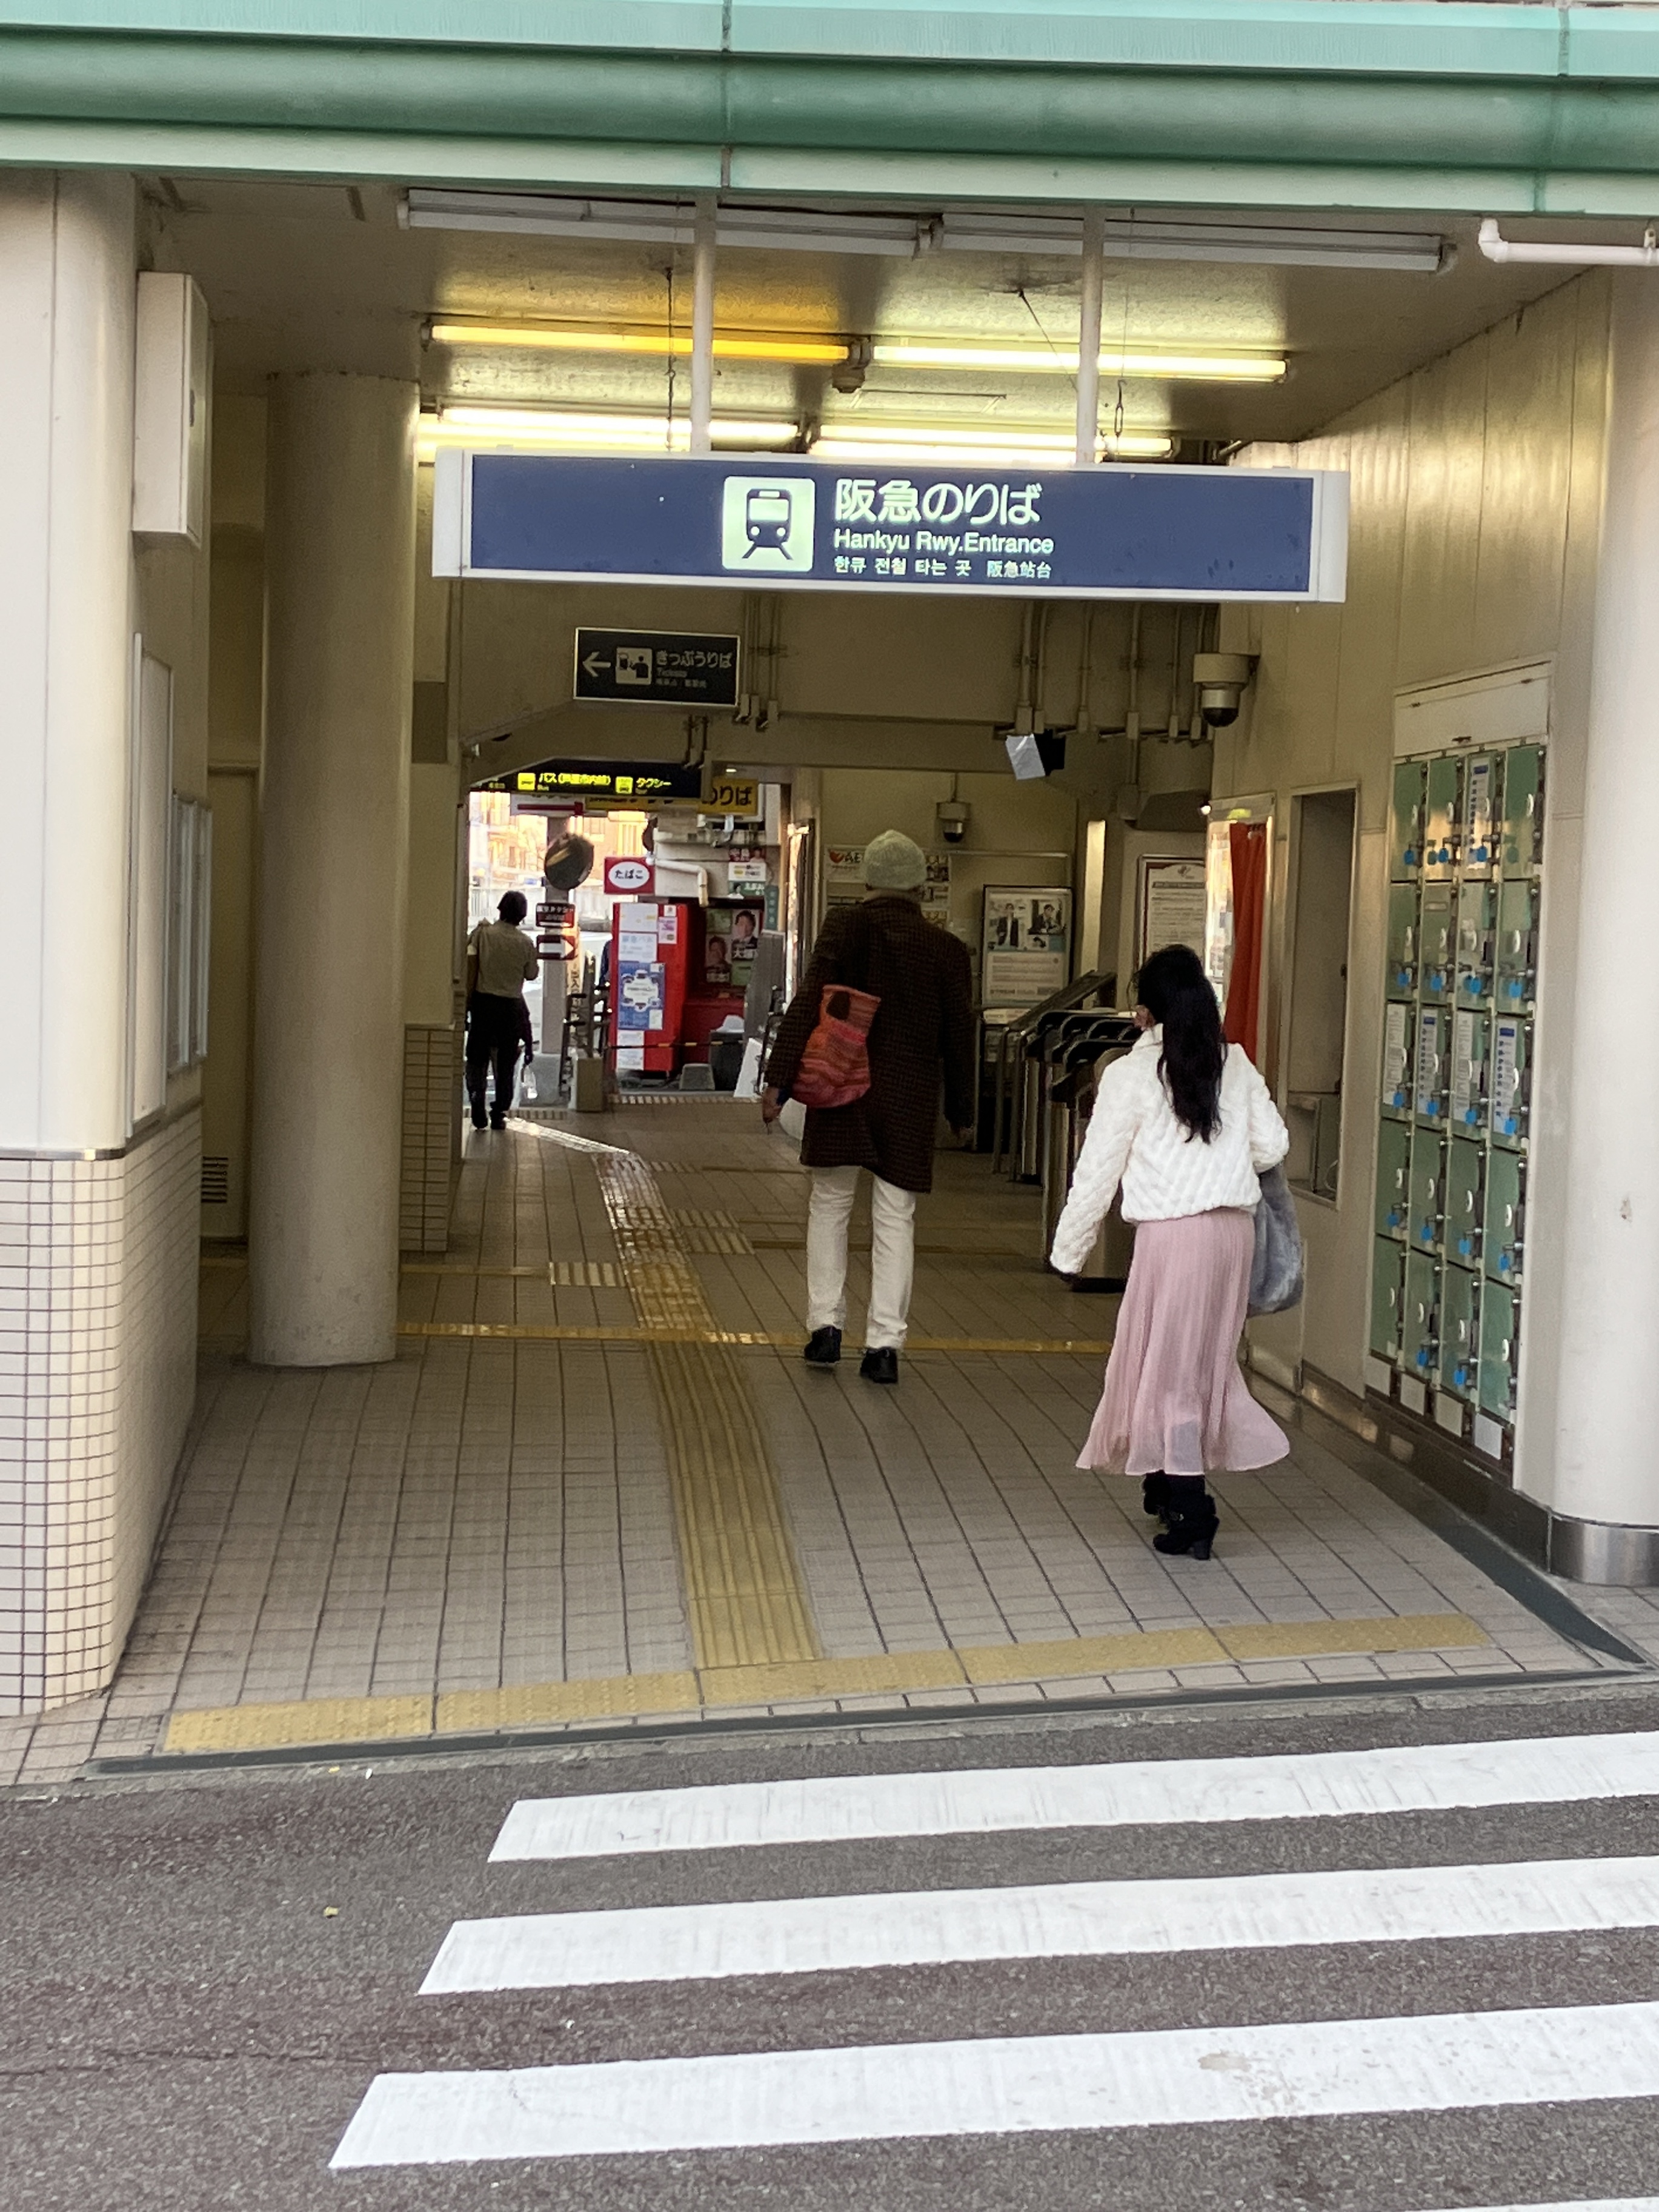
894	862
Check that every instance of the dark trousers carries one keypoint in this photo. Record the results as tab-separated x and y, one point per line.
494	1033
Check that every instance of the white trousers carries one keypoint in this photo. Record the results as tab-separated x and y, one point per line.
892	1255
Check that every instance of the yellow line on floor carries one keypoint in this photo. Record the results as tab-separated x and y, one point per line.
783	1340
365	1720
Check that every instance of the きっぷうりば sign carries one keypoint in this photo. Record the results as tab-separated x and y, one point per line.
1117	532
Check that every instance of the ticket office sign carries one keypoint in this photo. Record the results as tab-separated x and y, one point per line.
1112	532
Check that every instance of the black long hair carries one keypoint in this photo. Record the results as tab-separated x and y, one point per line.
1175	992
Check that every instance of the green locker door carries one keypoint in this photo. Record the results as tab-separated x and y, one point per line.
1476	921
1460	1339
1505	1228
1406	821
1397	1061
1437	933
1394	1175
1402	938
1387	1298
1523	808
1480	819
1443	801
1516	956
1466	1108
1432	1074
1510	1083
1465	1201
1426	1192
1499	1320
1420	1330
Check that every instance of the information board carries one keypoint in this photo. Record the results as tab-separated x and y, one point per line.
656	667
1112	532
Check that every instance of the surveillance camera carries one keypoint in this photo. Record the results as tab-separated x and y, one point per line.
953	820
1220	680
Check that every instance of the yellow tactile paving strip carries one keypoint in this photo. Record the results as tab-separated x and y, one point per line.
710	1687
745	1602
635	1333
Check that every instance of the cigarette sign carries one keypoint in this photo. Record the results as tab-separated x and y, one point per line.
629	878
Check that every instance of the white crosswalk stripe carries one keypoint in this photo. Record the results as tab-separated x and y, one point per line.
1167	2078
1439	1777
1057	1920
1442	2060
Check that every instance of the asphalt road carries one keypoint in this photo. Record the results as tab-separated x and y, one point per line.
200	1978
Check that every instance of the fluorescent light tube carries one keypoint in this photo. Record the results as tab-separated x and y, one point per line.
1010	452
462	425
1282	245
573	338
1225	368
669	222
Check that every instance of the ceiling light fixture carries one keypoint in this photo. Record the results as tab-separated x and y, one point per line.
666	222
1222	367
806	230
949	449
565	337
550	429
969	230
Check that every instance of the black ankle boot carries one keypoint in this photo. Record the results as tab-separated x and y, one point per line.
1192	1519
1155	1497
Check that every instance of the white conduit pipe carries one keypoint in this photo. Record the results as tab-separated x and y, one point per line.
1088	350
1497	248
702	326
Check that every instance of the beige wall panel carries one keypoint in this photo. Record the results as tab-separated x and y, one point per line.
1378	459
1523	488
429	939
239	462
938	660
226	1073
236	679
1443	516
431	593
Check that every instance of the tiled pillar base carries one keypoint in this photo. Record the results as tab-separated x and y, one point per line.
98	1270
431	1069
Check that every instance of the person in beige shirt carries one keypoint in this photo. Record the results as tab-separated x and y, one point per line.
500	961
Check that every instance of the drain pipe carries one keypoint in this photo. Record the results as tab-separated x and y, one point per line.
1086	673
1498	248
703	324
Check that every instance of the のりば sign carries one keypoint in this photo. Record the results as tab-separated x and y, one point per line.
1115	532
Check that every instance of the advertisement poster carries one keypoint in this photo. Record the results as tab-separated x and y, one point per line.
1172	906
843	874
1025	946
936	892
639	994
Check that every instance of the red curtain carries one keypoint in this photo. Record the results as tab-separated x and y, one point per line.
1242	1020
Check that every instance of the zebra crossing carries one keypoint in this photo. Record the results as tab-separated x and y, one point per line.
1461	2058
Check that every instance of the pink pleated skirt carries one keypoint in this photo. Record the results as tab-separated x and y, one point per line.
1175	1400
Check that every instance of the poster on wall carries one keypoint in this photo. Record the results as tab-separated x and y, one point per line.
936	891
1172	906
1025	945
843	874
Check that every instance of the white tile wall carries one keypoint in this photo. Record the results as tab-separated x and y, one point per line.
98	1267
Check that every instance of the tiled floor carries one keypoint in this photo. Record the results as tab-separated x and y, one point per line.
598	1482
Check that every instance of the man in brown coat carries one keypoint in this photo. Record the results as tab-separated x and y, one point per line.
923	1029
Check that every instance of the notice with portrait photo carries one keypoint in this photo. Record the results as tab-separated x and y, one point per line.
1025	949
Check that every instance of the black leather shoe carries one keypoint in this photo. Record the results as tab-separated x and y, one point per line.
880	1364
1191	1520
822	1348
498	1121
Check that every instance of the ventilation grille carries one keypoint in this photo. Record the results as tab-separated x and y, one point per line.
215	1180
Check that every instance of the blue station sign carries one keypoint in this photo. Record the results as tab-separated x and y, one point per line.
1111	532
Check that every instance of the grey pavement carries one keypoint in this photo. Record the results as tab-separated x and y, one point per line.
201	1975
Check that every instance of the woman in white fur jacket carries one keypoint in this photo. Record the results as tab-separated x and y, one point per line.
1185	1123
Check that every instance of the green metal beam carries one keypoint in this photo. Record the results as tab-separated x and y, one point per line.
1411	103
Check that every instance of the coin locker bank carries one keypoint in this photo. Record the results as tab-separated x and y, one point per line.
1449	1273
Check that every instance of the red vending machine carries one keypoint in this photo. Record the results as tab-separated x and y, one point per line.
652	945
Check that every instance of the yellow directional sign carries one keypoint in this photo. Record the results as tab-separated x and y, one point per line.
732	794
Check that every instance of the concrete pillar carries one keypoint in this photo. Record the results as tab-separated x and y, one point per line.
1606	1439
66	624
333	872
